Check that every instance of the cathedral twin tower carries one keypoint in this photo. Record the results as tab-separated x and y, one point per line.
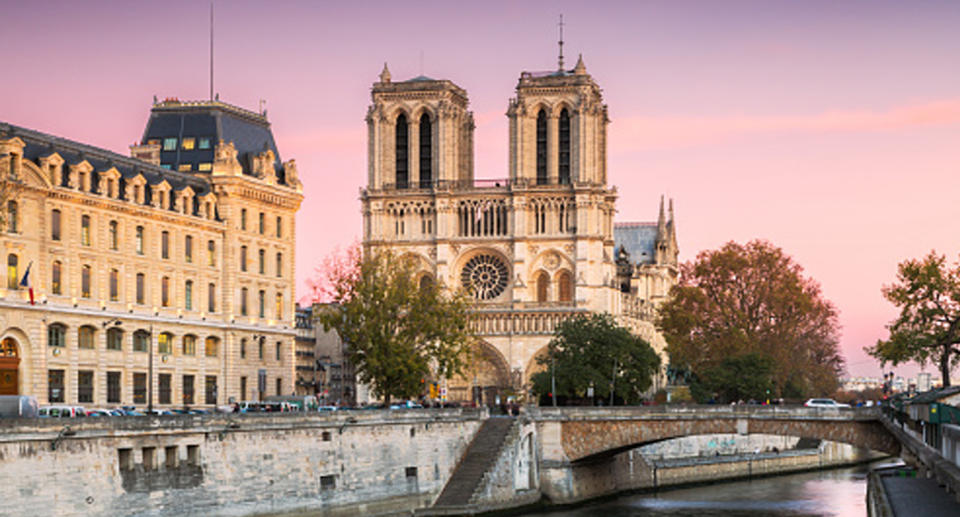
533	248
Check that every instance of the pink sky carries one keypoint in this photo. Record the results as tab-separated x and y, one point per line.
828	128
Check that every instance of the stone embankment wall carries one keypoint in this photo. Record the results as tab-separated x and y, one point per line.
345	463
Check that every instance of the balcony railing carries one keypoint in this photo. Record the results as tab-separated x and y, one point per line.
475	184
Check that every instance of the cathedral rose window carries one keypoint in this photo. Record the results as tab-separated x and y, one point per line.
486	276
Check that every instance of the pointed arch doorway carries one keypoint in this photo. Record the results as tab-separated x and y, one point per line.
9	367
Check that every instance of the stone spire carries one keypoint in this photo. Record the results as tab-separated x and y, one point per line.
385	74
580	69
661	222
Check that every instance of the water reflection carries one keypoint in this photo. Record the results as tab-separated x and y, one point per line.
835	493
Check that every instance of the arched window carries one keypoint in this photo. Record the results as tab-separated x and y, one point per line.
262	223
114	338
565	286
13	271
542	148
400	147
188	295
114	235
55	275
564	151
141	295
243	258
165	343
543	286
141	340
85	274
55	225
262	303
85	337
211	347
85	230
12	214
165	291
279	265
189	345
263	261
426	151
279	227
56	335
243	218
426	282
8	348
114	285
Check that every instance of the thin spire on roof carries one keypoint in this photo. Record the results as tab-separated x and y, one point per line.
560	59
581	68
385	74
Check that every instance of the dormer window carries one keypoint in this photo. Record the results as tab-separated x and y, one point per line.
169	144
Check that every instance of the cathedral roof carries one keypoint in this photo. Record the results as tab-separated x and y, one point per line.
638	239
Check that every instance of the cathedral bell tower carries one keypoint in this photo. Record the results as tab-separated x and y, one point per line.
558	129
420	134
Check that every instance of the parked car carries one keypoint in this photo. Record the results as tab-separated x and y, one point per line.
62	412
23	406
407	404
825	403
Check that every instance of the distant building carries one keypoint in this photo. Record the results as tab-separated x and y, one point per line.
924	382
309	375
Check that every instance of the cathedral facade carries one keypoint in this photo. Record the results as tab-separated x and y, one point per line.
534	248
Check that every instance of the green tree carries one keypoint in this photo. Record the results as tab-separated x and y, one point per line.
399	330
592	350
927	293
752	302
740	377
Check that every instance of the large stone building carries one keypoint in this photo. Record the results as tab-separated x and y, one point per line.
185	250
535	247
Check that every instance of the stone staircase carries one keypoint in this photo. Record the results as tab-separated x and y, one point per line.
479	458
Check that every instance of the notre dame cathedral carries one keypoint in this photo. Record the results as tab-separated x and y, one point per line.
533	248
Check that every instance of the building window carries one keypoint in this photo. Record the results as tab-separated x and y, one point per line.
543	283
165	291
139	388
260	348
263	262
203	143
114	285
55	225
185	167
243	218
565	286
85	273
113	387
262	223
165	343
400	146
114	339
56	335
279	347
12	214
205	167
85	386
279	306
114	235
188	389
189	345
165	245
141	281
85	230
163	388
13	274
243	301
211	347
211	254
542	148
188	249
188	295
243	348
85	337
426	151
211	389
243	258
55	386
243	388
139	240
279	227
211	298
563	161
262	303
188	143
55	275
279	386
141	341
279	265
169	144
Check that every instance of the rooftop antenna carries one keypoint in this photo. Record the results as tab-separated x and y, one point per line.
560	59
211	50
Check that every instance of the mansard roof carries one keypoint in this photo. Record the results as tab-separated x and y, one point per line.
39	145
638	239
214	120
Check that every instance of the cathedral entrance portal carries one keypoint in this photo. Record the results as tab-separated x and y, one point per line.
485	377
9	367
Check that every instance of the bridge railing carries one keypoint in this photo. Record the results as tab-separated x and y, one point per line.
700	411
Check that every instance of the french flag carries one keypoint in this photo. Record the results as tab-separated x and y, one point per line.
25	282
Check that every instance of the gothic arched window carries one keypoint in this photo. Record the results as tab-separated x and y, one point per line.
401	151
565	286
564	153
543	284
542	148
426	151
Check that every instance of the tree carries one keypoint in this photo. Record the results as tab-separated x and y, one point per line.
753	303
593	351
738	377
395	326
928	327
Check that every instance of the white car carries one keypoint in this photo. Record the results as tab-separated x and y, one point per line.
825	403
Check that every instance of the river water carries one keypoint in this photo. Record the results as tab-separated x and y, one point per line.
840	493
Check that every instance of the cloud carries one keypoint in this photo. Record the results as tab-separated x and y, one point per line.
668	132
